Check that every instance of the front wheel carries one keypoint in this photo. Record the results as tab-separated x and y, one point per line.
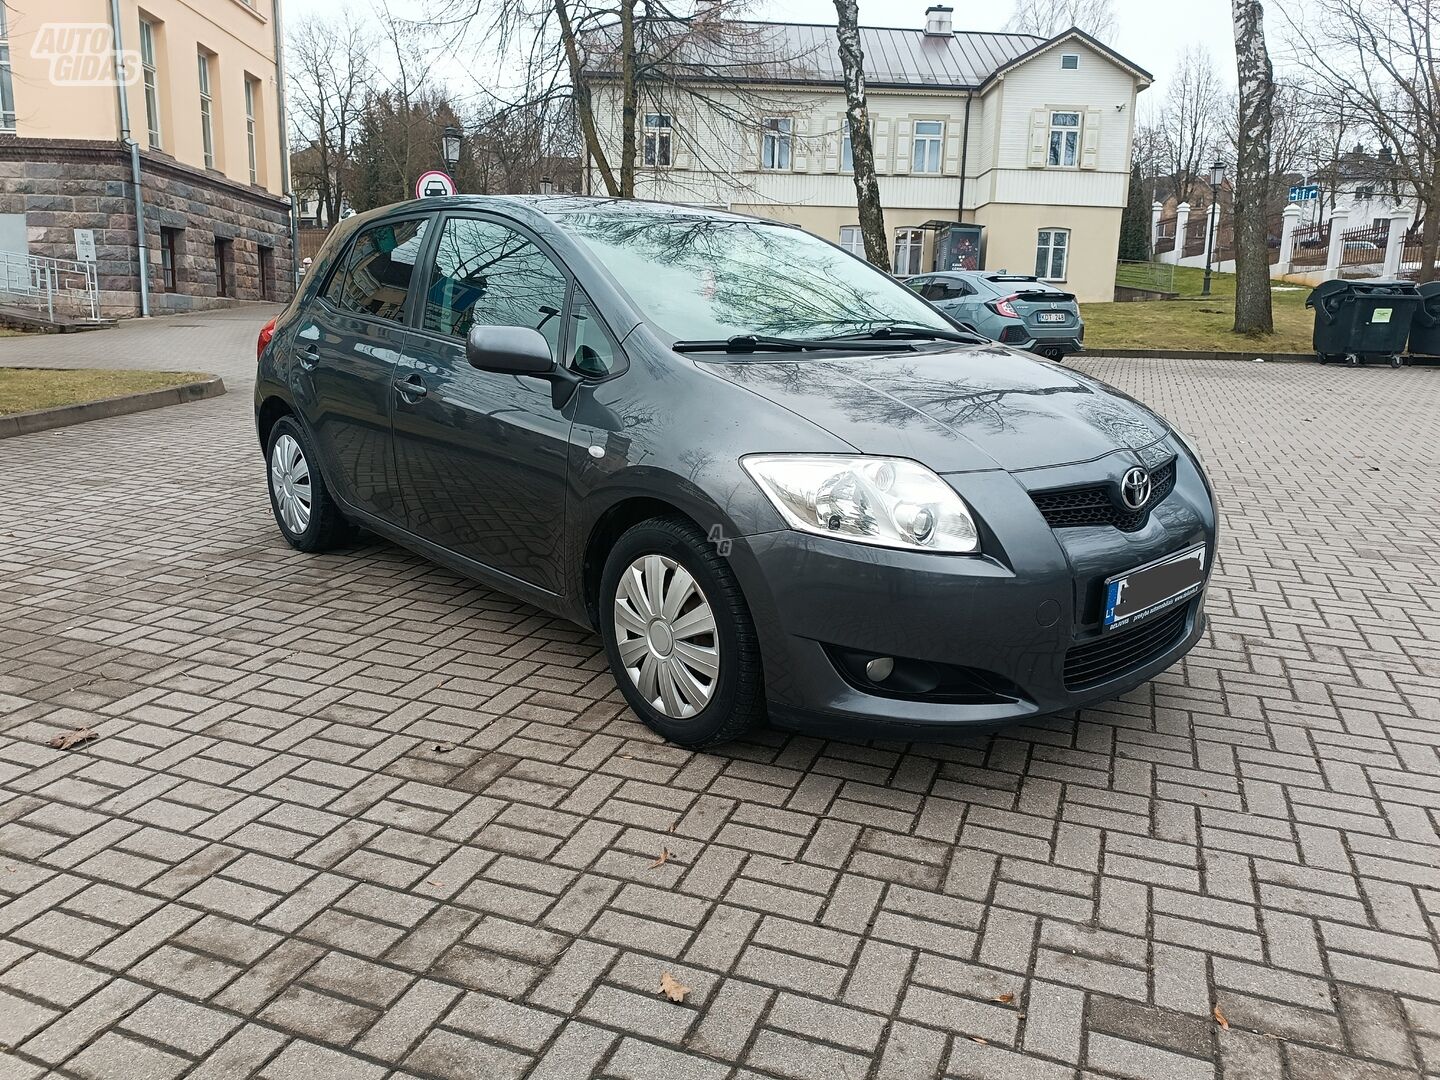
679	636
307	515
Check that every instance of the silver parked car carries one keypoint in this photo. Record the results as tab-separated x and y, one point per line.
1014	309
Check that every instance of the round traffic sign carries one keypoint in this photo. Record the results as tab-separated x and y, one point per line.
432	183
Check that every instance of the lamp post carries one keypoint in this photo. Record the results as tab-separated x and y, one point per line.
450	147
1217	177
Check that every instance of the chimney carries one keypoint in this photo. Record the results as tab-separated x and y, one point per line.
937	21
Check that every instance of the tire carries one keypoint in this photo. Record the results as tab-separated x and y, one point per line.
1395	361
307	515
691	713
1352	360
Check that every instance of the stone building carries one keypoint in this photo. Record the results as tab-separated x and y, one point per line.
182	96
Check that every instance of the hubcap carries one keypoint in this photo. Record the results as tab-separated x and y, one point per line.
290	481
665	630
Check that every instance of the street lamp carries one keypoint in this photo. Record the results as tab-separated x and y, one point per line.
450	146
1217	177
546	186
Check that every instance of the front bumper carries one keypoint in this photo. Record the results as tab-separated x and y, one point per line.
1012	615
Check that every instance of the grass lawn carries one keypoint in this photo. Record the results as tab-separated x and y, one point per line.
1195	323
28	389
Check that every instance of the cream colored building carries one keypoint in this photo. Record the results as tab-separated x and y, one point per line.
195	86
1028	139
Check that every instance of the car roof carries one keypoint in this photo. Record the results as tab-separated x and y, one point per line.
558	207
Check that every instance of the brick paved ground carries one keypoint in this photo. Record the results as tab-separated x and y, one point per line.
351	817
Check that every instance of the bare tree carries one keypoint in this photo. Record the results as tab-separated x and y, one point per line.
1252	169
857	118
1191	120
329	68
1379	65
1046	18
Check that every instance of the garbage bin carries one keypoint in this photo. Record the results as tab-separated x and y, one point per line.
1425	327
1362	320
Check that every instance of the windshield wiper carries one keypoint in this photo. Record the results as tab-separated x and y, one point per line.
749	343
914	331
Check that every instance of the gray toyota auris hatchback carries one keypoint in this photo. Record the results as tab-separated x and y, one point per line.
774	479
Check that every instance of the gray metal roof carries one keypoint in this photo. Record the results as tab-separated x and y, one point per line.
808	53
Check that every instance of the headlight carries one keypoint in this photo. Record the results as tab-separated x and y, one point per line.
872	500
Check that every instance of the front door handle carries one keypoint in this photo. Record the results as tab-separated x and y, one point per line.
309	357
411	389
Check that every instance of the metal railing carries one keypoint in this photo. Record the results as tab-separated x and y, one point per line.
1150	276
63	286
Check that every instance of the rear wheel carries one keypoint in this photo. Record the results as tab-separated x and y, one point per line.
307	515
678	635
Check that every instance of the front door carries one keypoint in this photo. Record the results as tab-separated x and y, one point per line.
481	456
346	352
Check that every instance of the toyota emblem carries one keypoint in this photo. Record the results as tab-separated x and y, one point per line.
1135	488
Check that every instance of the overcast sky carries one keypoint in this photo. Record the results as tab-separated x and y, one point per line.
1152	33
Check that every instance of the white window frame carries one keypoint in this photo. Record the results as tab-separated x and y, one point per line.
852	239
912	242
927	151
777	135
7	85
659	141
1064	140
847	148
1046	250
150	76
251	88
207	127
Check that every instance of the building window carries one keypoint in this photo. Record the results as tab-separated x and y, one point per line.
152	81
1052	254
1065	139
267	273
223	266
1069	62
852	240
171	241
1365	191
207	132
847	151
658	132
929	138
252	91
908	244
7	88
775	142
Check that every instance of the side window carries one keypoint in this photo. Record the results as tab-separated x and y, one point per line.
487	273
374	277
592	351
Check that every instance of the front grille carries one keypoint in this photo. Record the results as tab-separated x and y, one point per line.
1114	654
1099	504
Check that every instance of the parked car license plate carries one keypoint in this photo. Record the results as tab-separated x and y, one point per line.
1053	316
1138	594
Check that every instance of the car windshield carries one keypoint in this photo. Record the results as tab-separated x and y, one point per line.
711	277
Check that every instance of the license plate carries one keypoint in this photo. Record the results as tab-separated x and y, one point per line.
1138	594
1053	316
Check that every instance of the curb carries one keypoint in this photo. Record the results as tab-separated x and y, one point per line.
27	423
1176	354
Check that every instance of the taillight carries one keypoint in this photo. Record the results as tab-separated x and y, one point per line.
1004	307
266	333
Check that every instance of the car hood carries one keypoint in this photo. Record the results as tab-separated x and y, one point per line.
955	410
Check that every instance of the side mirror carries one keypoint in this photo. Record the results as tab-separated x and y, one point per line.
510	350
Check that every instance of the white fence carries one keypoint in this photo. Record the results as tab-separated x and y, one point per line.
51	287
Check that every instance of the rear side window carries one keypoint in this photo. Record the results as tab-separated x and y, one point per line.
374	278
487	273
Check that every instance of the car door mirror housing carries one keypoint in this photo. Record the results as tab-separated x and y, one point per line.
511	350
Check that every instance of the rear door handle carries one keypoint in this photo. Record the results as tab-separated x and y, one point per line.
411	389
309	357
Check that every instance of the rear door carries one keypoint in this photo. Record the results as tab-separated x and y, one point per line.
347	348
482	456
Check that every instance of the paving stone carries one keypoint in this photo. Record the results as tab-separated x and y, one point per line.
265	868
